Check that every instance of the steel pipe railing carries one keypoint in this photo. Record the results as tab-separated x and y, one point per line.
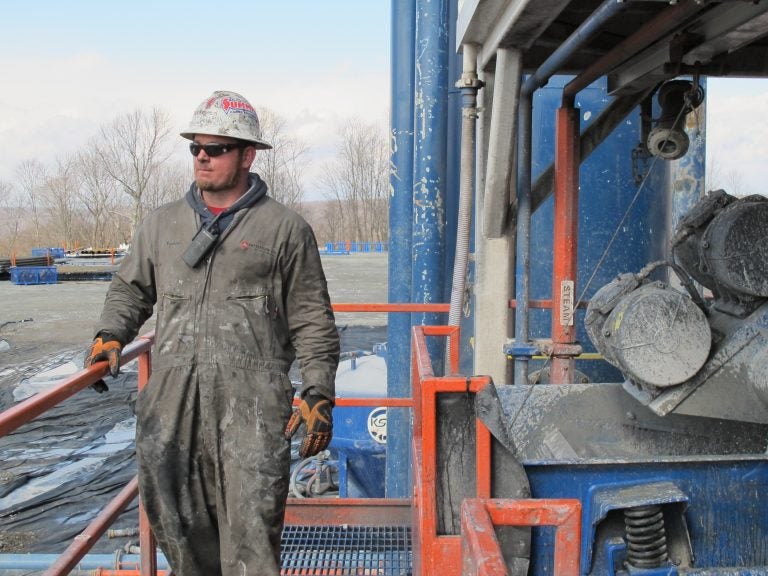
432	551
140	349
446	553
481	553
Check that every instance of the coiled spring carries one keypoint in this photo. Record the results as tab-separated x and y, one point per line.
646	537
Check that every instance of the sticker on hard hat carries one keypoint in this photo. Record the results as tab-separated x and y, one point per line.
236	106
377	425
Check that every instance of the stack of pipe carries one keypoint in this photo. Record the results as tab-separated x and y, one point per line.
6	264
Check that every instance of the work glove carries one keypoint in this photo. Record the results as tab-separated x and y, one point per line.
315	412
104	347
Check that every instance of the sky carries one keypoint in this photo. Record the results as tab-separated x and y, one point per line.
737	135
70	67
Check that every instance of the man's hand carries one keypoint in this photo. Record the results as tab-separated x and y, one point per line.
315	412
104	347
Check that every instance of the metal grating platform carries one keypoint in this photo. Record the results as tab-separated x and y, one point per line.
346	550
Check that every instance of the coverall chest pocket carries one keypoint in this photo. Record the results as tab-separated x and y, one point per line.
175	326
249	321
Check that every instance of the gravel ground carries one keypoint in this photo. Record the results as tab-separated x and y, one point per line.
40	320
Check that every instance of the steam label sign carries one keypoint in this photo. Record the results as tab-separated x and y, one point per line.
377	425
566	302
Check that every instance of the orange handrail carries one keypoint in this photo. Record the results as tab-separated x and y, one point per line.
29	409
481	553
384	307
432	552
82	543
444	554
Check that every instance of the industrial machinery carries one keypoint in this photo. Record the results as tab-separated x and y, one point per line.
606	365
630	304
680	353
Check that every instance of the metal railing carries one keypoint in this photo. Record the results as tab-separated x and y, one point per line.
476	550
344	510
433	552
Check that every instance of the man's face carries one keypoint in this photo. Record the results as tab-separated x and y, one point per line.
220	173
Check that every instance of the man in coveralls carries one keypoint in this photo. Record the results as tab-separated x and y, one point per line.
240	292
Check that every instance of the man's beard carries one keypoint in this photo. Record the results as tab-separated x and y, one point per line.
216	187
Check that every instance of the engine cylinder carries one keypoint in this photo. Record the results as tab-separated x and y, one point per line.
655	335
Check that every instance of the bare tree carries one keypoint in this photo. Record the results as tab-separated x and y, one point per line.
30	175
717	177
10	218
59	194
132	150
98	195
734	183
282	166
170	183
357	181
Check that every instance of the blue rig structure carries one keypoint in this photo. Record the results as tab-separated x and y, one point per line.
548	180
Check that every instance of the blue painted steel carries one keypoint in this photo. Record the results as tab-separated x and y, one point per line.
362	459
520	350
726	515
429	166
362	466
615	496
607	189
89	561
398	480
687	174
52	252
586	30
34	275
616	549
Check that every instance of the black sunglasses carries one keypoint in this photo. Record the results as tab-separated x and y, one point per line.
214	149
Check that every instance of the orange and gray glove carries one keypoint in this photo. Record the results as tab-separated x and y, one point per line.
315	412
104	347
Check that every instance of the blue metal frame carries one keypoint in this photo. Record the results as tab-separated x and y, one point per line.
430	154
398	481
725	510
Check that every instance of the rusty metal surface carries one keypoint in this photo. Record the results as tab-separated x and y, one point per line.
566	232
482	549
72	555
352	511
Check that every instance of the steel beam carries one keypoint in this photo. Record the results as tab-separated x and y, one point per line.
566	224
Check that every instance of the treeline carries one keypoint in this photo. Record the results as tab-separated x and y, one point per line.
95	196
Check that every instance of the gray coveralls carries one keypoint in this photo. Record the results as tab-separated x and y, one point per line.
213	462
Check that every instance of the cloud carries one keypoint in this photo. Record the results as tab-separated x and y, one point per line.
737	133
57	104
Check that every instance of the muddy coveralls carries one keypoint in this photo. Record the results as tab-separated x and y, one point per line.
213	462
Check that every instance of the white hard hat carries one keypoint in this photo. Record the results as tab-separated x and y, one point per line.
227	114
